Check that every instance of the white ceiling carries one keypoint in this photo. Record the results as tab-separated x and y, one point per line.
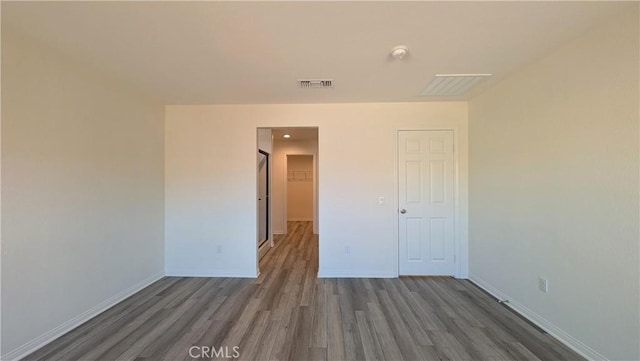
253	52
307	133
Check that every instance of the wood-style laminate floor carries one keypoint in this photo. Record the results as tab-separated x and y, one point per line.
290	314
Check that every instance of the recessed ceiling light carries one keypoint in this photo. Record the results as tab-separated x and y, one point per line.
286	136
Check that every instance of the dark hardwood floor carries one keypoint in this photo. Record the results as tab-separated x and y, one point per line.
290	314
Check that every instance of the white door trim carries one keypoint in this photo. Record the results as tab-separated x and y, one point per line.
460	245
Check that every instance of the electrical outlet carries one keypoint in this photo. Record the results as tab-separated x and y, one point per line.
381	201
543	285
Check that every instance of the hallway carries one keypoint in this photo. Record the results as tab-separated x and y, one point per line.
289	314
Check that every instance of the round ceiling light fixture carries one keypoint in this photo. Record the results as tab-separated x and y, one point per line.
286	136
399	51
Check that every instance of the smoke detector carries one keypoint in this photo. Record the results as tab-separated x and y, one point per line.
399	52
315	83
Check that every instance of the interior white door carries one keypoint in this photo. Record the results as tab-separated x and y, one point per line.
426	202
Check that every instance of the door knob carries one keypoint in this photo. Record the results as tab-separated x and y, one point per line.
403	211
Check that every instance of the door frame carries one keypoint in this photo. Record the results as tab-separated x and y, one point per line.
261	250
267	165
460	246
285	193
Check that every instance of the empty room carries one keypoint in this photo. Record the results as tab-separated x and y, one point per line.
198	180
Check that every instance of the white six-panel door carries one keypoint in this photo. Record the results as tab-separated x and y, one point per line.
426	202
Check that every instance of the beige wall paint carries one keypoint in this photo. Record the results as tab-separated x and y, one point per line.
300	189
281	149
554	188
210	185
82	185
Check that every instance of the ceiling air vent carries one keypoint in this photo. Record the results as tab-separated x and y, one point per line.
315	83
453	84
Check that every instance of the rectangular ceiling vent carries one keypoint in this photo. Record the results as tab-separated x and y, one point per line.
453	84
315	83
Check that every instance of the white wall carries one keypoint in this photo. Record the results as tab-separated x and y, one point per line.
82	185
265	140
554	171
300	189
283	147
211	174
0	190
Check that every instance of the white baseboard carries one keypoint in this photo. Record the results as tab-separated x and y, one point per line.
352	274
190	272
576	345
69	325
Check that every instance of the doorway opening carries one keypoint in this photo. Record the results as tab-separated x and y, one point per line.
299	187
291	178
